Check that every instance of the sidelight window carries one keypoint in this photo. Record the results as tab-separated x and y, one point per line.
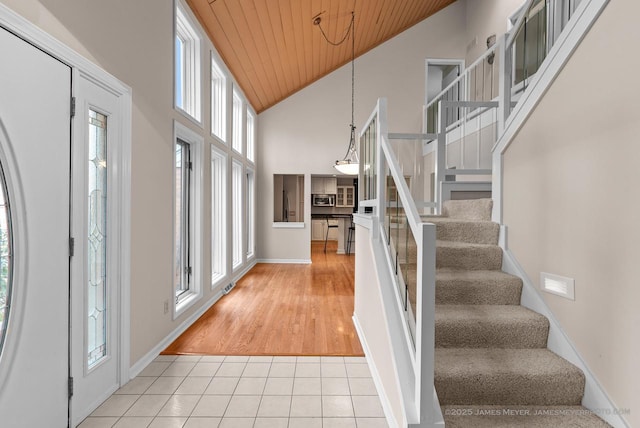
97	239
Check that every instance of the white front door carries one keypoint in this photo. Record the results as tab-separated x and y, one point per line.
95	313
35	139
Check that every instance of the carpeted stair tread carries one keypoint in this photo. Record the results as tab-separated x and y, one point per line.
483	326
521	416
490	376
481	287
478	232
463	255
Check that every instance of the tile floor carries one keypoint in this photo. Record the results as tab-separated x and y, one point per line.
251	392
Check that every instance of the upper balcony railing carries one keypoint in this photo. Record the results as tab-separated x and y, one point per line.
466	119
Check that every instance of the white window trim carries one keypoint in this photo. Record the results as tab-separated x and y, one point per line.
218	72
220	157
186	29
195	292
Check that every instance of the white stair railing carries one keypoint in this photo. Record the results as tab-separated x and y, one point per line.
470	114
409	245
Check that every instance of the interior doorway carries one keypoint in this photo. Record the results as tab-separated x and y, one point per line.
440	73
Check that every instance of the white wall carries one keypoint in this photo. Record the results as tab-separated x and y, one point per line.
308	131
133	40
485	18
571	200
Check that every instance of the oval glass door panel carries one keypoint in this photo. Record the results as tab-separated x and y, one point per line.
5	259
96	240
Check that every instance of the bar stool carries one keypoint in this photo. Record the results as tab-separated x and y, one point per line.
326	236
350	236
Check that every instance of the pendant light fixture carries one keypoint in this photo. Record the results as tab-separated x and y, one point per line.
350	164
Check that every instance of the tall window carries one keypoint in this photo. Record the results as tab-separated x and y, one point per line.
187	65
218	215
97	239
236	175
251	209
6	248
237	122
251	136
182	269
188	238
218	101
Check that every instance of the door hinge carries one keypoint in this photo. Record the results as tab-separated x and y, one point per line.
72	246
190	166
70	387
73	106
189	270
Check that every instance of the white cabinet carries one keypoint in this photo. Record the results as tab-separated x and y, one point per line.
345	196
319	230
330	186
324	186
333	231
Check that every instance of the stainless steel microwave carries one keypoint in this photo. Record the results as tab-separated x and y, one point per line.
324	200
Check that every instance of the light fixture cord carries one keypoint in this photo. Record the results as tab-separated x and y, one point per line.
350	30
353	78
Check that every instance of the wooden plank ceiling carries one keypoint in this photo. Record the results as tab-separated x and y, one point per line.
273	49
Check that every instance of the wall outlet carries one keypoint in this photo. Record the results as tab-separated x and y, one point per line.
166	307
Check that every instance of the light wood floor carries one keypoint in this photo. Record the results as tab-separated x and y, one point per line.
280	309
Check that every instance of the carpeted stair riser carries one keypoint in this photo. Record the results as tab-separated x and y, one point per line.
461	287
457	255
473	232
490	351
483	326
506	377
520	416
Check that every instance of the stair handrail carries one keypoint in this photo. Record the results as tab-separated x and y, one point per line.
464	75
422	350
513	33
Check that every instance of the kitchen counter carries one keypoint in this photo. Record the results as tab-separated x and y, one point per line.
344	221
322	216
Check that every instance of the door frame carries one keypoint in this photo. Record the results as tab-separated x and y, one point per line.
79	64
438	61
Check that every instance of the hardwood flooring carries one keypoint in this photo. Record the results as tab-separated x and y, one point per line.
281	309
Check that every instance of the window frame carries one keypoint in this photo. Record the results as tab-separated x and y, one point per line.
237	122
250	124
186	30
237	214
250	214
219	108
219	187
194	219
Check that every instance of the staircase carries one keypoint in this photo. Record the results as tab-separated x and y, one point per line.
492	367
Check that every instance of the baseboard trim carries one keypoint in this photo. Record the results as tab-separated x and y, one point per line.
143	362
595	397
237	276
285	261
377	381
